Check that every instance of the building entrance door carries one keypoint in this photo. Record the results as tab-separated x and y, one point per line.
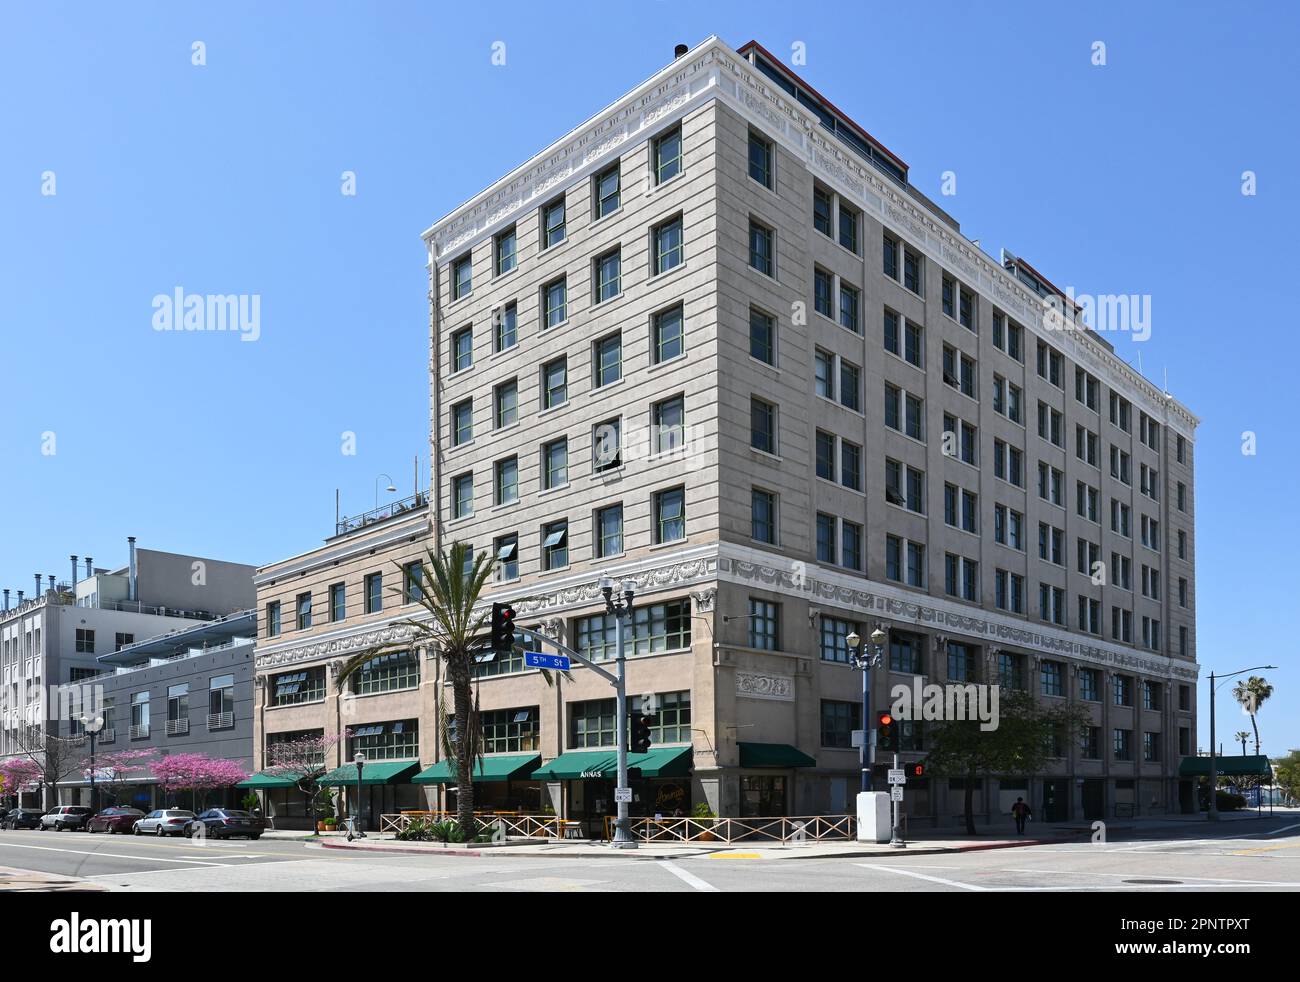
1054	801
762	796
597	803
1094	798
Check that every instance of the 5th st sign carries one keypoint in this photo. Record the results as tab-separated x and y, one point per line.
538	659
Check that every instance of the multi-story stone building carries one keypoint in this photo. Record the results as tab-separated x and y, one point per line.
714	344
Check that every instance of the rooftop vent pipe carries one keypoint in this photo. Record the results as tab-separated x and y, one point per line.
133	583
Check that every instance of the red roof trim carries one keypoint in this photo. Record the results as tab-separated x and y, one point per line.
1017	261
830	105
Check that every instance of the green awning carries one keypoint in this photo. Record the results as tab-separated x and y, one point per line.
264	781
1230	766
378	772
499	767
660	762
773	755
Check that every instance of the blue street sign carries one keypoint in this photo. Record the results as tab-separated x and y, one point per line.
536	659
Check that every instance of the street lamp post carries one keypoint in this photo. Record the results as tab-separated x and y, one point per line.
1213	814
621	608
390	489
92	725
360	761
864	661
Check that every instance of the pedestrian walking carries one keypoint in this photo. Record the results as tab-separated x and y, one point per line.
1021	812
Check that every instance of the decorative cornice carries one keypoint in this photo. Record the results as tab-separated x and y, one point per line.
665	576
344	645
867	597
400	530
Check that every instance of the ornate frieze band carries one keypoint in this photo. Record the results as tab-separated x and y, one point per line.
755	685
349	644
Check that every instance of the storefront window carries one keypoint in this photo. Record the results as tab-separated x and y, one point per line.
762	796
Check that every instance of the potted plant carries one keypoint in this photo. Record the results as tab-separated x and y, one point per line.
330	824
704	815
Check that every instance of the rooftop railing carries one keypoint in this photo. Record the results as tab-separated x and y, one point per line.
382	514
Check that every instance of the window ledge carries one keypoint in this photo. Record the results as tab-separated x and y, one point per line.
666	363
655	278
543	413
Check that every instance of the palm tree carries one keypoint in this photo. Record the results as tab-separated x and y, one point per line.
1241	736
448	589
1252	694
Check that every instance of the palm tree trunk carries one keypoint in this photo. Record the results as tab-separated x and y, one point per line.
1255	727
463	697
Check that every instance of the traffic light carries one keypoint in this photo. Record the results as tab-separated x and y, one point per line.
886	733
503	628
641	733
916	770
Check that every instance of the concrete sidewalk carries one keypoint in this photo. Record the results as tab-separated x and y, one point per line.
29	881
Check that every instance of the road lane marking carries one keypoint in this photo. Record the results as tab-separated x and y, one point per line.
1285	828
189	869
686	877
109	855
921	876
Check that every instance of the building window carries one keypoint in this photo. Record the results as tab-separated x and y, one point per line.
608	357
461	281
462	426
593	723
413	582
178	708
764	625
825	538
608	275
1123	744
669	419
668	336
839	720
851	546
1090	684
849	308
294	688
338	602
823	285
387	741
760	160
1053	676
905	652
607	191
555	545
670	515
555	383
507	481
506	548
462	349
762	336
1150	694
911	270
140	714
1011	670
822	211
849	222
221	703
553	225
374	584
85	641
890	257
834	638
1090	743
462	495
668	155
303	607
609	531
850	386
762	252
505	251
511	730
654	628
605	445
505	400
387	673
668	245
763	516
673	719
273	619
762	425
555	463
122	640
962	665
555	304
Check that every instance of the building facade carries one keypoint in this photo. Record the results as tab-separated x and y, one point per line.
60	636
713	344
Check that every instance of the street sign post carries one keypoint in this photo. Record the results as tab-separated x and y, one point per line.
897	775
538	659
623	794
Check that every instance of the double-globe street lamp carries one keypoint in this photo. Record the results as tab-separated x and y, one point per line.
357	830
864	659
621	609
1213	814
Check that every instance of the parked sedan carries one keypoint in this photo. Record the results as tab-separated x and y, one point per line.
115	819
224	823
164	821
65	817
21	818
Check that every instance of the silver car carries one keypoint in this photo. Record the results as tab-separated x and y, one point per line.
163	821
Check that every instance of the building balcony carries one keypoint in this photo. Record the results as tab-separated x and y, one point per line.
394	509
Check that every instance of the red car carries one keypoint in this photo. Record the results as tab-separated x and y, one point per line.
116	819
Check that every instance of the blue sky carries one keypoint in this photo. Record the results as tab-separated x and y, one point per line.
225	178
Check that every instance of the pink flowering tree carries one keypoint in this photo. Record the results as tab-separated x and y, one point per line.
20	774
116	770
195	773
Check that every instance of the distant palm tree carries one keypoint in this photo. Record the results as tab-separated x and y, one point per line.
1252	694
1241	736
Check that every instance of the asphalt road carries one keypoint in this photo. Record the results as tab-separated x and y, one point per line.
1259	857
